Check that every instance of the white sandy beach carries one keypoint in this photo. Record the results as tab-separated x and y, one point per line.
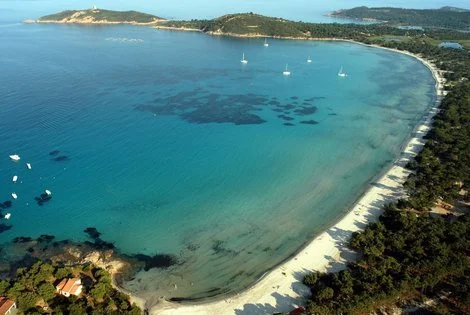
281	289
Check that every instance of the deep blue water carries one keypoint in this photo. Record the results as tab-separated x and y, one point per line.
168	144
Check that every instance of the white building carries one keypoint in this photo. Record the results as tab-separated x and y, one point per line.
69	286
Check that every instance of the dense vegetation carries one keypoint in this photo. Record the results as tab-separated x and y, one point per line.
102	15
404	255
446	17
444	164
33	289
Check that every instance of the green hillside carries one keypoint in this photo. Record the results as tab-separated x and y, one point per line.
247	24
83	16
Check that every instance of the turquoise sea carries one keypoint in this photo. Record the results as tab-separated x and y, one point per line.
167	144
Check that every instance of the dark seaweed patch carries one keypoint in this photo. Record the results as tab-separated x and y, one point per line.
6	204
311	99
274	103
157	261
285	117
22	239
294	98
44	238
92	232
288	124
61	158
332	114
288	106
309	122
4	227
54	153
192	246
306	110
278	110
97	243
42	199
218	248
200	107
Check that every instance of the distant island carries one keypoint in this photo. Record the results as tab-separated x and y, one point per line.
100	16
445	17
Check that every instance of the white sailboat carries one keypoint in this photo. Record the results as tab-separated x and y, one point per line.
265	42
244	61
309	60
48	192
286	72
15	157
7	216
341	73
14	195
28	165
15	178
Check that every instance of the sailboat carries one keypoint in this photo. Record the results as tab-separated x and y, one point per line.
309	60
244	61
265	42
15	157
341	73
286	72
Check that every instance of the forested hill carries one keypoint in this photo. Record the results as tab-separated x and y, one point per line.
253	25
245	24
100	16
446	17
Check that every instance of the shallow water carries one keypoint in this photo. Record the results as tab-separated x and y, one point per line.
168	144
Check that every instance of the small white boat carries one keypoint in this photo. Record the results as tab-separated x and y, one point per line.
14	195
341	73
28	165
15	178
7	216
265	42
15	157
48	192
309	60
286	72
244	61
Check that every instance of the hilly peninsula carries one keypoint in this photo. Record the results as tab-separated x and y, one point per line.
100	16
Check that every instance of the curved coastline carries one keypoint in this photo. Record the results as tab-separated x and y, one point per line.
280	289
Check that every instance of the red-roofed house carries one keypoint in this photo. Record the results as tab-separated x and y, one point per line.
7	306
69	286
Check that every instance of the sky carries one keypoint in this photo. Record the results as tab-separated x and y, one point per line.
305	10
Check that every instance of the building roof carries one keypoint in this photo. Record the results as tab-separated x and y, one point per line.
5	304
69	285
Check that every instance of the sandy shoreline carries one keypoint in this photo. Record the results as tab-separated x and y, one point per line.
281	290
